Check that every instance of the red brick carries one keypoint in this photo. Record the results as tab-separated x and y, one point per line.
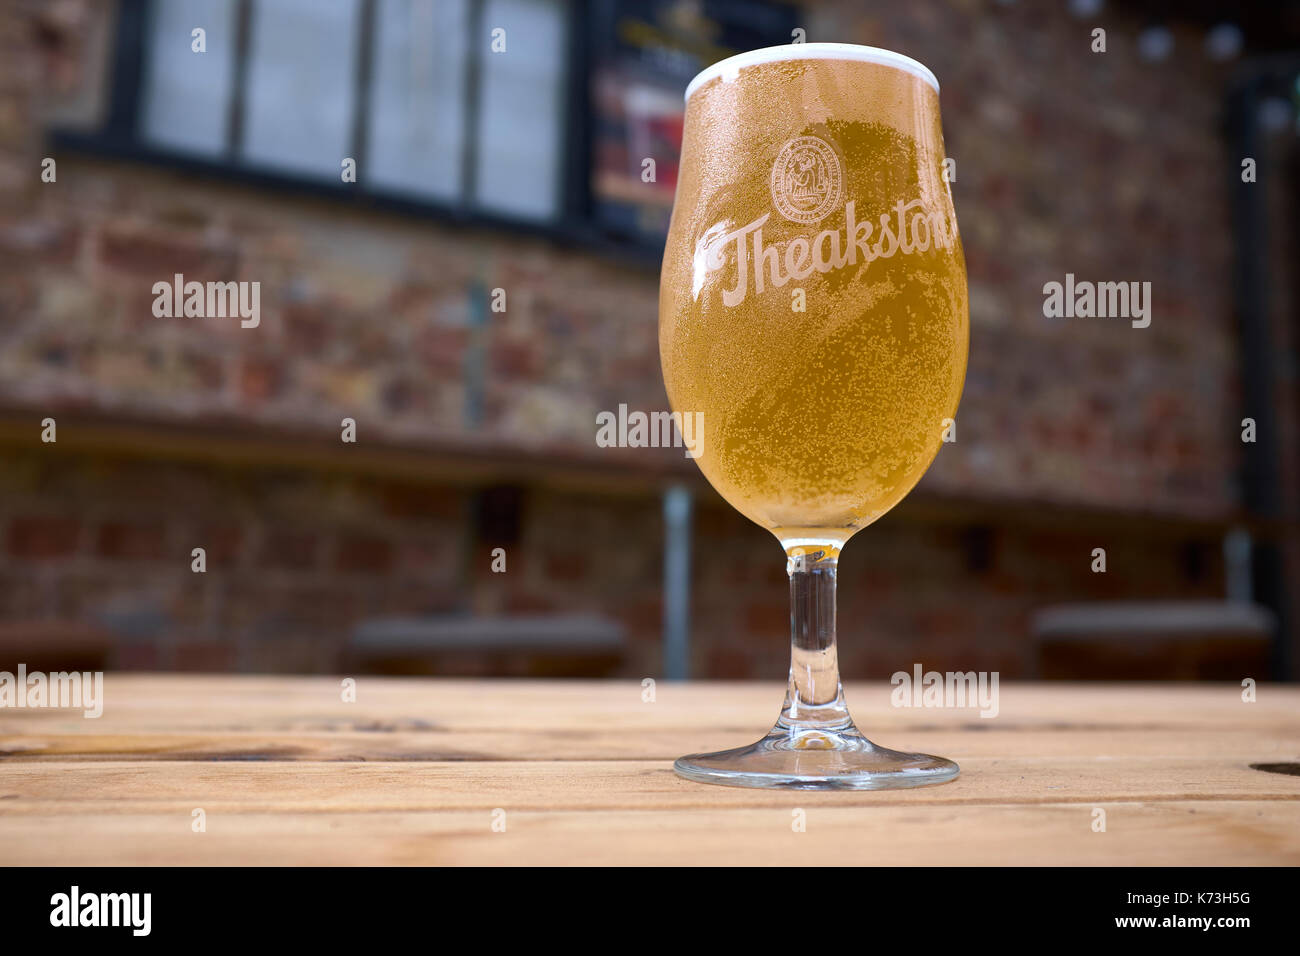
208	371
132	542
363	553
43	538
294	550
514	360
423	501
442	349
47	243
159	255
261	379
404	397
137	657
411	295
306	328
221	543
644	616
569	566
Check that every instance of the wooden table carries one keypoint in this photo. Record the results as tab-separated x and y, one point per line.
285	772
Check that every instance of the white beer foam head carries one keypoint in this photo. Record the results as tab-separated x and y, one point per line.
729	69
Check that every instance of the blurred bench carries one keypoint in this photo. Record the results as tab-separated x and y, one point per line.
1165	640
464	645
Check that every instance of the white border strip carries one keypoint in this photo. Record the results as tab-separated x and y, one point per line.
729	69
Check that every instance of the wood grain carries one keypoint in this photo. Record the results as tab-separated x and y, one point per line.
287	773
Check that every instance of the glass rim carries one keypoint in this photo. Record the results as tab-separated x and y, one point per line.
813	51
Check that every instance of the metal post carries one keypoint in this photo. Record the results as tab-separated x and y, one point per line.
1237	565
677	583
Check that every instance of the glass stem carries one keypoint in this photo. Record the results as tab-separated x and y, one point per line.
815	698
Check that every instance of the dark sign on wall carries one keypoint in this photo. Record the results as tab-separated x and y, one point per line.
645	52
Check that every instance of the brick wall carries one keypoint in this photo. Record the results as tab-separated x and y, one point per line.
1108	167
1068	161
296	560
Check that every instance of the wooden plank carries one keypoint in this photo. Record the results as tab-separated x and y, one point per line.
288	773
177	703
645	744
581	785
1139	834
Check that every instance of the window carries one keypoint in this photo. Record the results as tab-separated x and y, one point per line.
300	95
416	129
401	86
187	97
523	112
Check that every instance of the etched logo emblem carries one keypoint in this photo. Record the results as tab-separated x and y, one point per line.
807	180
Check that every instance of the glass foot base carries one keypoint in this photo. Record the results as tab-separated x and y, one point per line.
798	759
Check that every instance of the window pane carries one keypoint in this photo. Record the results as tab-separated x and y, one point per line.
186	94
416	132
521	109
301	84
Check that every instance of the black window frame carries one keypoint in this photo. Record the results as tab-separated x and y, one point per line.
118	136
576	223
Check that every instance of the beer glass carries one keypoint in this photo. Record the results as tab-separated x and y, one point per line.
813	313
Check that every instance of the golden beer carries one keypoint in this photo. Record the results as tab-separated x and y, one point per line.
813	321
813	301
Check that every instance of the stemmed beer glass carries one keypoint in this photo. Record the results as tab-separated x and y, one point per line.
813	308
